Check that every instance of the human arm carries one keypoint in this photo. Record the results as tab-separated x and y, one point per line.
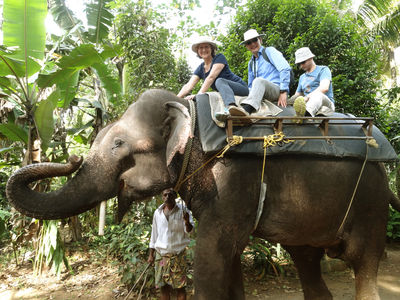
215	71
188	221
153	239
282	100
282	66
188	87
250	76
323	88
151	258
325	80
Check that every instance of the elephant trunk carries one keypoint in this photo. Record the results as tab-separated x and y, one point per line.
76	196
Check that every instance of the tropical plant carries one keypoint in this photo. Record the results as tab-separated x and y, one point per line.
266	258
382	17
149	61
50	249
129	241
382	20
43	81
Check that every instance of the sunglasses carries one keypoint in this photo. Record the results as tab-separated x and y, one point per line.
249	42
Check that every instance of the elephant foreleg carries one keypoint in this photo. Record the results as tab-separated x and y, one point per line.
217	270
236	289
307	261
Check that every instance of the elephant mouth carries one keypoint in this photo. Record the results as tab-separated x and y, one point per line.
130	193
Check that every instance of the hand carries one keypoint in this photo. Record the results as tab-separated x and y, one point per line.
150	260
190	97
282	100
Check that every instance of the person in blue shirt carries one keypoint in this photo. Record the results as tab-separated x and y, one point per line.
315	86
268	79
215	73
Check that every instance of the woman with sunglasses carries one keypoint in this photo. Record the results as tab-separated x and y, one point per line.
215	73
269	76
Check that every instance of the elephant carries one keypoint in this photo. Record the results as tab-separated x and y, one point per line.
306	200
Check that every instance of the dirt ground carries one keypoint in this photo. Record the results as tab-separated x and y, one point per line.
99	280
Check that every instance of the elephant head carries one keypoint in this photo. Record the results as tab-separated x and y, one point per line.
133	158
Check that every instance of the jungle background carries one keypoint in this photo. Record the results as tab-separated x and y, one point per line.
58	88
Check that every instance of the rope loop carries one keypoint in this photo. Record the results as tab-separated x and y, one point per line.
275	139
235	140
372	142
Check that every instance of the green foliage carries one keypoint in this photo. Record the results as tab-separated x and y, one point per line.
393	226
335	40
50	250
31	40
129	243
266	258
4	211
389	118
149	61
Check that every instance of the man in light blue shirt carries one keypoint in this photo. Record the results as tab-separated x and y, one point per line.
315	85
269	76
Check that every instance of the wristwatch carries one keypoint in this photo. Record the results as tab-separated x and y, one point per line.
282	91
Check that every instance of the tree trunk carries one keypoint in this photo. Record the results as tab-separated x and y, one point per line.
76	228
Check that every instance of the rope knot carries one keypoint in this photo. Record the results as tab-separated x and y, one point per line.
235	140
275	139
372	142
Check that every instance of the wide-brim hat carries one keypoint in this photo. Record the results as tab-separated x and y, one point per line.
303	54
203	40
249	35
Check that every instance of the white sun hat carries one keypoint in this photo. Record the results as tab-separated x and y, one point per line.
250	34
203	40
303	54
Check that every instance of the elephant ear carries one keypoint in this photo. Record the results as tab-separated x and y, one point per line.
180	129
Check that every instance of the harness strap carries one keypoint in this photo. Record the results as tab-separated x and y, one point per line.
188	147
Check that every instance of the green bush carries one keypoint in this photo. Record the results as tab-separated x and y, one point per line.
129	242
393	226
266	258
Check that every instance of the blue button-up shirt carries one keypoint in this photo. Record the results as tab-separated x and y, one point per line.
276	71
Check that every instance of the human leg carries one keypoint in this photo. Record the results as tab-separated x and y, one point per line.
228	89
165	292
316	101
262	88
181	294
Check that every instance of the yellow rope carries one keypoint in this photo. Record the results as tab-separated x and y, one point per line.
236	140
369	143
198	169
271	141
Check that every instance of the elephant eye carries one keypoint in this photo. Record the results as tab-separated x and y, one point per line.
118	143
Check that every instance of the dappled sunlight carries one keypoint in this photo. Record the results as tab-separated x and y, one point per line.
390	283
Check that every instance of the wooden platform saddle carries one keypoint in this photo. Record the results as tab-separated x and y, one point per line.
339	135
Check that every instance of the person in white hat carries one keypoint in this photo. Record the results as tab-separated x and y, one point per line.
268	76
314	94
215	73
